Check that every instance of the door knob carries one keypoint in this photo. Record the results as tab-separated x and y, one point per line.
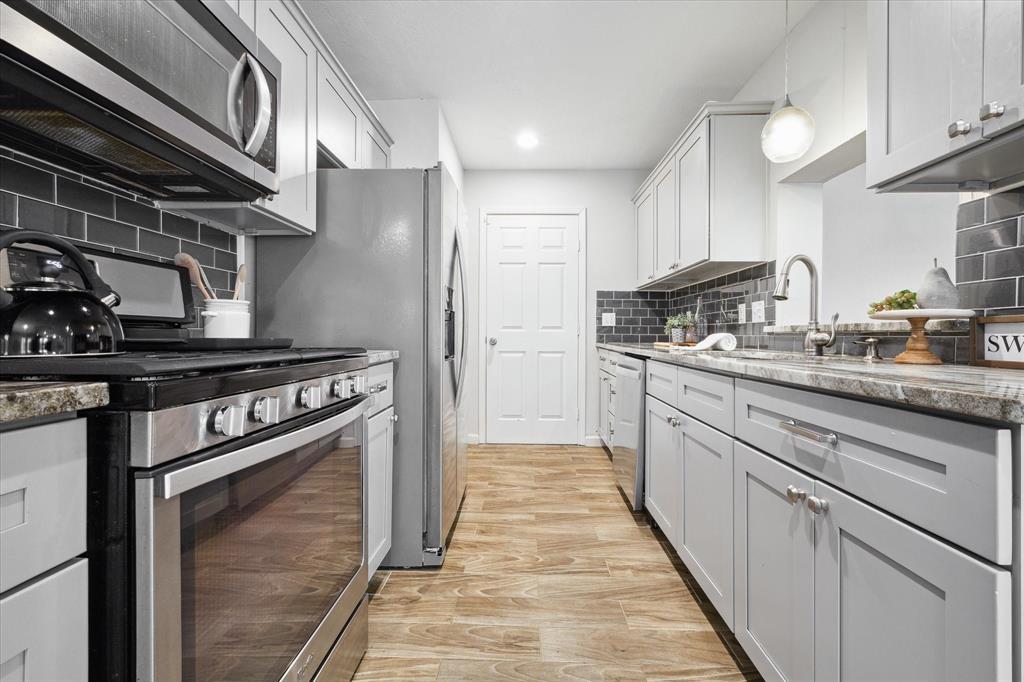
492	341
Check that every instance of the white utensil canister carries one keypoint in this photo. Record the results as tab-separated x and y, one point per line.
226	319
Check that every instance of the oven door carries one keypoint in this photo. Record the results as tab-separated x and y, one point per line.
249	564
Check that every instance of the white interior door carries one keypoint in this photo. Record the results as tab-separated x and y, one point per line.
532	328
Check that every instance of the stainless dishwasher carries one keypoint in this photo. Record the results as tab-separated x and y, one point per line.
628	437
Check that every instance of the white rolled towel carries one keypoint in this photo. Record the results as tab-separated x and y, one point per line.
719	341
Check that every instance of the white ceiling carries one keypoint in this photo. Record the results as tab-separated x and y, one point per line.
603	84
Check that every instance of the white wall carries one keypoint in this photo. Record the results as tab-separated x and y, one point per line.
611	248
421	135
893	237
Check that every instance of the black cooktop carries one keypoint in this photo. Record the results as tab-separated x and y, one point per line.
142	364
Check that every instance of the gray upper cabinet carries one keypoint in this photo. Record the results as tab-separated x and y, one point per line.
296	123
1003	102
945	85
665	249
376	152
337	115
644	209
893	603
774	548
702	212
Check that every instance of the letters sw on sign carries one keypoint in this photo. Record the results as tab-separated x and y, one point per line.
1004	342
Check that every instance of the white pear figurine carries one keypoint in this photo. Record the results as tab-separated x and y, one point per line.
937	290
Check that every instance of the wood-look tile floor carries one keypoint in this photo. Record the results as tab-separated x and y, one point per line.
548	577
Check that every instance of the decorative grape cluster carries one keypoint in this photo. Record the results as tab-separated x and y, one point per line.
901	300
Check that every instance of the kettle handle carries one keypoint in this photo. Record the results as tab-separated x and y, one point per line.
92	280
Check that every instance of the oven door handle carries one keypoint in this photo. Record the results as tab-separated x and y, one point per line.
174	483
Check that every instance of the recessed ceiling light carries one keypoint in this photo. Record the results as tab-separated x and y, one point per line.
527	140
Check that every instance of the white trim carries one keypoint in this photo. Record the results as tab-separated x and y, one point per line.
473	438
581	302
593	441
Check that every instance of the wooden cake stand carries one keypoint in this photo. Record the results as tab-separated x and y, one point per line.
917	352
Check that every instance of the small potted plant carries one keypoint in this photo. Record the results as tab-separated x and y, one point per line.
681	328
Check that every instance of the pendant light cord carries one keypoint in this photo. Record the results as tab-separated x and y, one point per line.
786	50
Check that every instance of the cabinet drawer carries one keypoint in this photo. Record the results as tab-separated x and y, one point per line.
661	381
42	499
381	385
706	396
44	628
949	477
607	361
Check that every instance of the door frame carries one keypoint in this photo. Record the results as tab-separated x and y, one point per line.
581	312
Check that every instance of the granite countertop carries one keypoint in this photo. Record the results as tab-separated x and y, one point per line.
996	394
30	399
378	357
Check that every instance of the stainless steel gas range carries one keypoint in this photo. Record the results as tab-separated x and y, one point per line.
226	522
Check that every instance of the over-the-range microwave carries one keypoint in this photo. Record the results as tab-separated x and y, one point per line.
171	99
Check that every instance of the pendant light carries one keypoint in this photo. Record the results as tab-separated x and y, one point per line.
789	131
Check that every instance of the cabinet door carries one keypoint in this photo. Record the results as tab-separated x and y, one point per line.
665	230
296	113
706	527
893	603
692	189
337	116
380	454
1004	64
246	9
924	74
644	208
774	547
375	152
603	409
664	465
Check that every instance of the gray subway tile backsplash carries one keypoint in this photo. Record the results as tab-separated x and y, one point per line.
990	263
1004	205
970	213
1004	263
997	293
970	268
36	195
993	236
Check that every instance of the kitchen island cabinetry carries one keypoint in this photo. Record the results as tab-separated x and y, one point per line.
380	462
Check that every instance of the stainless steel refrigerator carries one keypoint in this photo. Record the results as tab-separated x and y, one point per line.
385	269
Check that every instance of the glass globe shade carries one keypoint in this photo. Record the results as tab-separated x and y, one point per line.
788	134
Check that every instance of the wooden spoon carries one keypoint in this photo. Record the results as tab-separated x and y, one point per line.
240	281
195	273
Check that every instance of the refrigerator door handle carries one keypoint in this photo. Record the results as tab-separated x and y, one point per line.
461	376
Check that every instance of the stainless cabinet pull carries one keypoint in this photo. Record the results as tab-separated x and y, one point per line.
673	422
991	110
612	391
791	426
817	505
794	494
958	128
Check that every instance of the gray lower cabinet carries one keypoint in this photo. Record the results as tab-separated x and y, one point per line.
705	542
663	497
774	554
892	603
380	455
44	627
603	409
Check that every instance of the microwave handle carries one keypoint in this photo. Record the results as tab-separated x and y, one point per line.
263	104
174	483
234	87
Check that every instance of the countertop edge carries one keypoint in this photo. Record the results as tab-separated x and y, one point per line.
947	399
24	400
379	357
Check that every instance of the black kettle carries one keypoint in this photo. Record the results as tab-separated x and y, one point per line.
51	318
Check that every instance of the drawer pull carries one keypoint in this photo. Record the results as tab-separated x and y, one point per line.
794	494
673	422
797	430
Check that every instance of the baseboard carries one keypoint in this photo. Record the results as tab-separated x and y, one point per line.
592	441
473	438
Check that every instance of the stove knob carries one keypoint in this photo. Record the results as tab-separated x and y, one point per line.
229	421
309	397
342	388
266	410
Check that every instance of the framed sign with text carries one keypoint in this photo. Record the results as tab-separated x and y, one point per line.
998	341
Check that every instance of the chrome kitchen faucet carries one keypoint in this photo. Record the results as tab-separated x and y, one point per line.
816	341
